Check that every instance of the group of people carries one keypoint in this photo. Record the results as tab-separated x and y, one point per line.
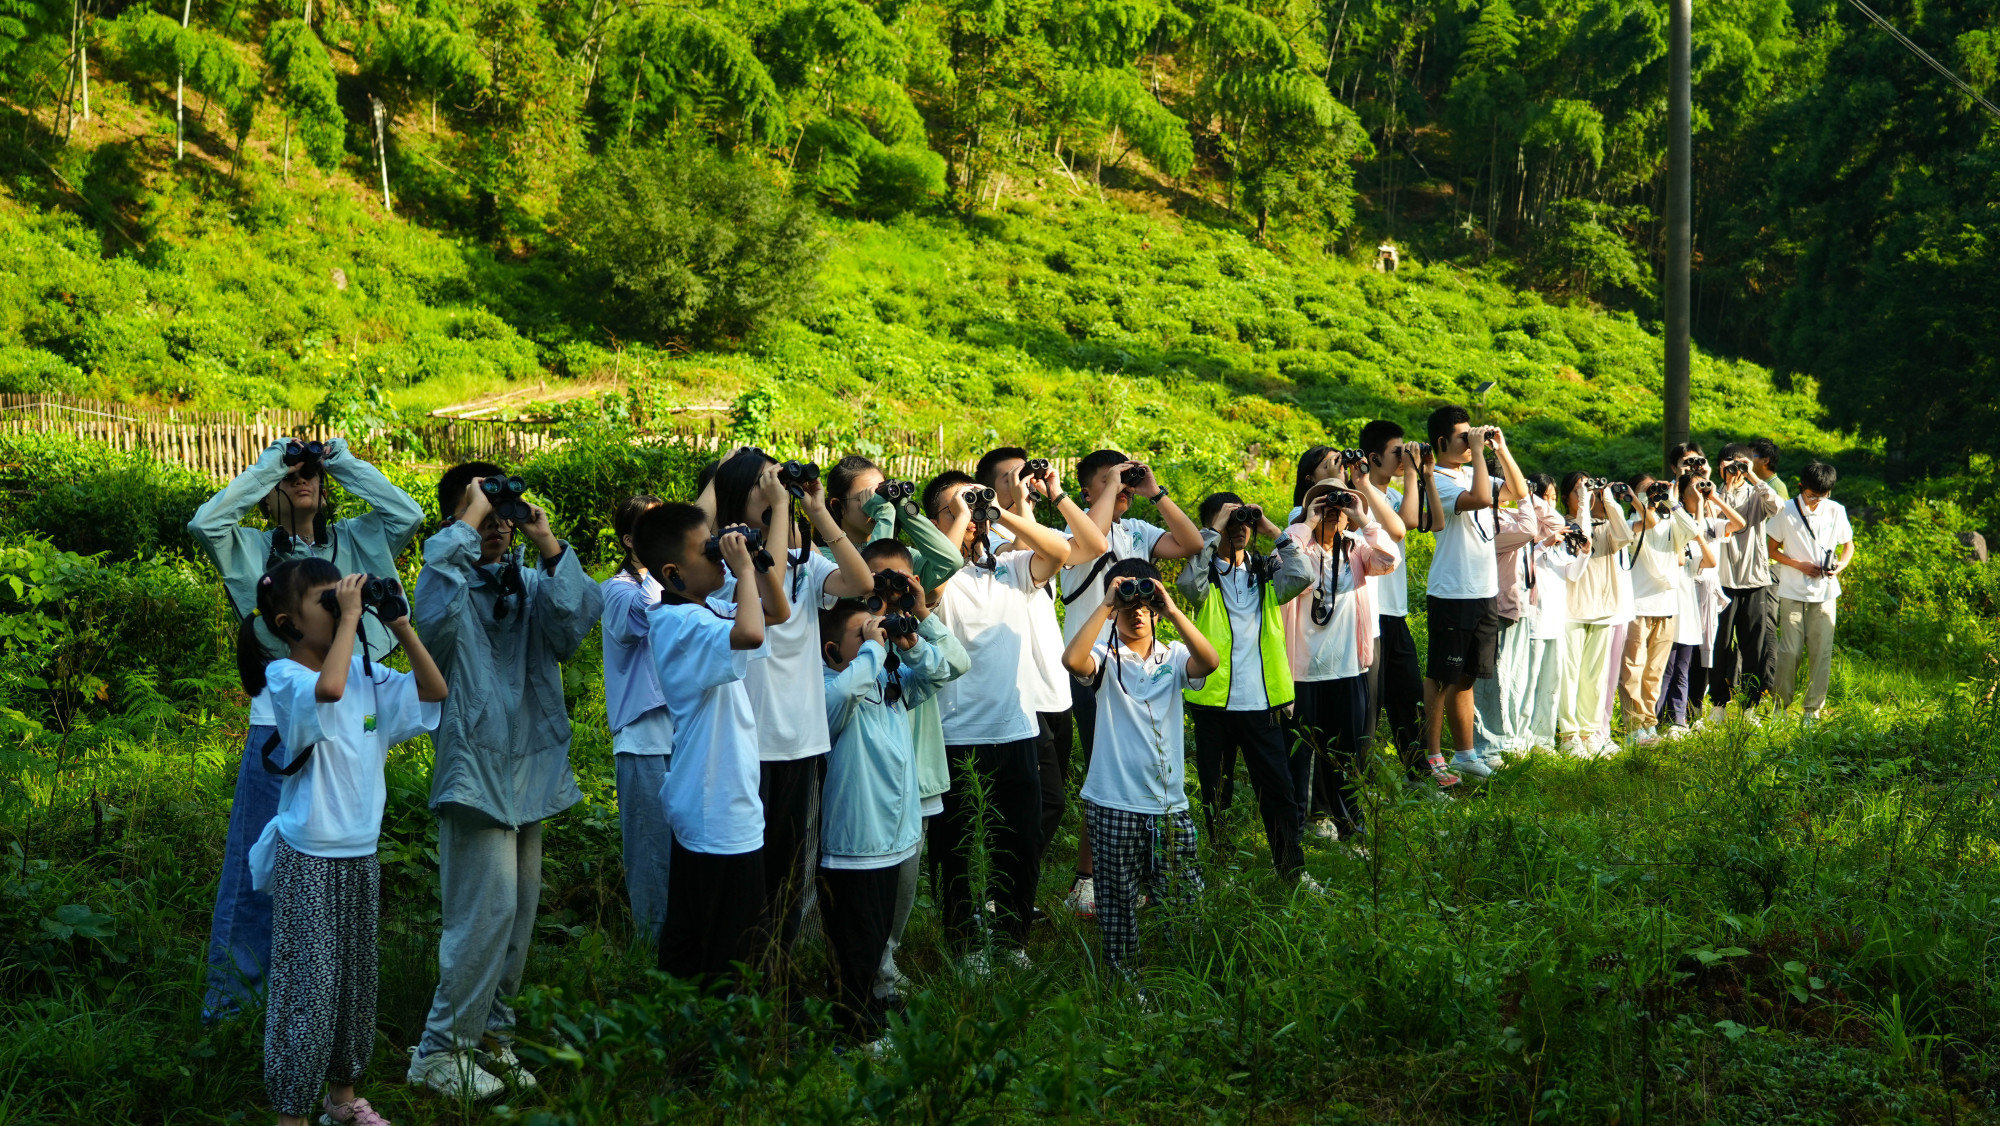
822	690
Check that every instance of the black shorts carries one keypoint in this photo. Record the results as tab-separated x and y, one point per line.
1464	638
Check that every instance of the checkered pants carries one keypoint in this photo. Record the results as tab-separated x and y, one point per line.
1156	850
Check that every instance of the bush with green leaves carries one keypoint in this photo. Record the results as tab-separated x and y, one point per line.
680	242
87	498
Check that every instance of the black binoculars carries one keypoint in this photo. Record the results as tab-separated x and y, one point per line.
760	557
505	493
383	596
1352	457
981	500
893	591
1033	467
1136	592
1574	539
1660	494
306	457
1133	475
1694	463
1246	515
795	475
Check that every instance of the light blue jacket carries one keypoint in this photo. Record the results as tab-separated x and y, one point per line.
869	806
503	747
364	544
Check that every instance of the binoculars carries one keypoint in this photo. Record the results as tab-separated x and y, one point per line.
895	598
760	557
306	458
1136	592
505	493
900	494
383	596
1033	467
796	475
1574	539
1246	515
1694	463
1133	475
1660	494
1352	457
981	500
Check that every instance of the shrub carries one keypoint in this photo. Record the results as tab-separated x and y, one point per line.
582	483
681	242
88	498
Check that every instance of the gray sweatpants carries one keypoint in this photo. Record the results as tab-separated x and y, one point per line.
907	875
649	840
492	883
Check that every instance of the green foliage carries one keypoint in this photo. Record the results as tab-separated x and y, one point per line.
674	68
681	242
585	481
302	73
161	48
1584	249
89	499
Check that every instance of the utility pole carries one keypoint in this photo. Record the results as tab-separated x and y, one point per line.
1680	226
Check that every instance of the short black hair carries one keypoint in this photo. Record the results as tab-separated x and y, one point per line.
886	548
937	486
1766	449
1539	483
1819	477
1444	420
1680	451
834	619
660	534
1094	463
1212	504
988	468
1376	436
1637	481
1734	450
452	485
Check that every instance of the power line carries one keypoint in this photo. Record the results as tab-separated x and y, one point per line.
1954	79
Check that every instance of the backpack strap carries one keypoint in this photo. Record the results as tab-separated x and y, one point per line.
1096	569
271	766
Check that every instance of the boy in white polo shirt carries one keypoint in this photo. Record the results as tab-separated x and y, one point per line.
1811	544
1464	581
989	725
716	916
1135	798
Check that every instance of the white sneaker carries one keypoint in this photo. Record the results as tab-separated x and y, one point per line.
1325	829
1082	898
1470	765
1018	958
455	1075
976	964
500	1059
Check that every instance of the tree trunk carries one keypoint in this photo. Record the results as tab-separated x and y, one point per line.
180	90
379	111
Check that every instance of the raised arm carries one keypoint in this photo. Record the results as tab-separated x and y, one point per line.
854	578
1051	550
1183	539
1193	580
854	683
443	604
340	655
240	552
1077	656
563	603
1516	485
1202	658
1295	573
391	514
1386	515
748	630
1086	540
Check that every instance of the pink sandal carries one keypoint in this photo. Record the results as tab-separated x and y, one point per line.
355	1113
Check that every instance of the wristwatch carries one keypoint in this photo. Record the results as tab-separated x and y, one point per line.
1159	496
1058	498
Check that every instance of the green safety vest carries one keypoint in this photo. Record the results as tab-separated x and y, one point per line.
1212	619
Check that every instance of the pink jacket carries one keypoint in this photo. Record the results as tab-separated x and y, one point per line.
1514	530
1374	555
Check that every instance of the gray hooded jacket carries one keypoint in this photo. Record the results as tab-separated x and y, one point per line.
503	746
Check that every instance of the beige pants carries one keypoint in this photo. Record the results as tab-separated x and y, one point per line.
1807	626
1586	657
1648	643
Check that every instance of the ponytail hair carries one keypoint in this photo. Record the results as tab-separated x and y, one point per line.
624	521
281	590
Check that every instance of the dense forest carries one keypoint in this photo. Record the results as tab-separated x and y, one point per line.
666	160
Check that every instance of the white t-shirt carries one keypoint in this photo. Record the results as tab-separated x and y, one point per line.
1465	564
989	611
1243	598
711	791
787	689
1332	652
1807	534
1658	566
1045	637
1129	538
333	806
1140	763
261	714
1392	591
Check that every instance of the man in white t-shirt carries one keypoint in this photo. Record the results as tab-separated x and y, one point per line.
1016	480
786	686
1101	482
1396	679
1464	581
1811	544
989	727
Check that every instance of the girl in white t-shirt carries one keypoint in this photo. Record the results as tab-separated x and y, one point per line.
1329	643
1135	796
339	713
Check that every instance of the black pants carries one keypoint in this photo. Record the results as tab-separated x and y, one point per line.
788	790
716	916
1011	774
1329	716
1052	756
1396	682
858	907
1083	708
1279	777
1746	646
